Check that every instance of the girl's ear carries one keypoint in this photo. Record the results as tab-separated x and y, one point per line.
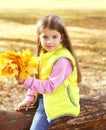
61	38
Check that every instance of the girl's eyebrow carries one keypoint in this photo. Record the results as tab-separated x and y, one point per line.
55	34
43	35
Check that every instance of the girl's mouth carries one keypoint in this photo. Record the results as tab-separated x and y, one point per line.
49	46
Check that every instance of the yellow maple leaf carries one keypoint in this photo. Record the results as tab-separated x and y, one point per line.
18	64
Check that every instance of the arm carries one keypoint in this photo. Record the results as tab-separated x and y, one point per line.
30	95
56	78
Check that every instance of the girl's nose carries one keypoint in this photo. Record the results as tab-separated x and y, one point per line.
50	41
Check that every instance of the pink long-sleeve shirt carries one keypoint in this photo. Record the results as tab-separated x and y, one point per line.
61	70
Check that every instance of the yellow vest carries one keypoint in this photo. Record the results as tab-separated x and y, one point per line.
65	99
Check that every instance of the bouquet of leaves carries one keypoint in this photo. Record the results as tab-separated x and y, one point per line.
18	64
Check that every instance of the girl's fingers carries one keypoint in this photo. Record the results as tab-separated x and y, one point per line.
19	80
23	105
27	107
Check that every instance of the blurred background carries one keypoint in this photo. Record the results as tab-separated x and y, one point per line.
86	24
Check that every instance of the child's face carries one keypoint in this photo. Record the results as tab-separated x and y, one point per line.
50	39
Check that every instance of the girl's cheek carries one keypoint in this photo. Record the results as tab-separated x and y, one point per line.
42	41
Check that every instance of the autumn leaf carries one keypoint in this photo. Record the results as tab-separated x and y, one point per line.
18	64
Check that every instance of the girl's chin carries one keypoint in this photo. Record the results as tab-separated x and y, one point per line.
49	49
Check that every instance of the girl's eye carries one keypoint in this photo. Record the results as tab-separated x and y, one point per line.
54	36
44	37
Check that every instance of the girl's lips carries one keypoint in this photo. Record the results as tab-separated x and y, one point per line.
49	46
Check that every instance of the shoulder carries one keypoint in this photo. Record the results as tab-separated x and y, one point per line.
63	62
62	66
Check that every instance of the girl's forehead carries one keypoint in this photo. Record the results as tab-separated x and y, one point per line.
48	30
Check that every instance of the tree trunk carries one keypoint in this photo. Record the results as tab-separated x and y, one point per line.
92	116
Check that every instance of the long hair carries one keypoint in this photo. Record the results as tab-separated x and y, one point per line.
56	23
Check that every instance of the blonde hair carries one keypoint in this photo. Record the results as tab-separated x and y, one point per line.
56	23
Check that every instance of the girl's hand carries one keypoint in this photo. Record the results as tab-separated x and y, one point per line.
23	105
20	81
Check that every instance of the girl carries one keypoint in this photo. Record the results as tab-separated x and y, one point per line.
57	78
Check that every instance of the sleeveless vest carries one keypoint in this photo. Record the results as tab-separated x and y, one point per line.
64	100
